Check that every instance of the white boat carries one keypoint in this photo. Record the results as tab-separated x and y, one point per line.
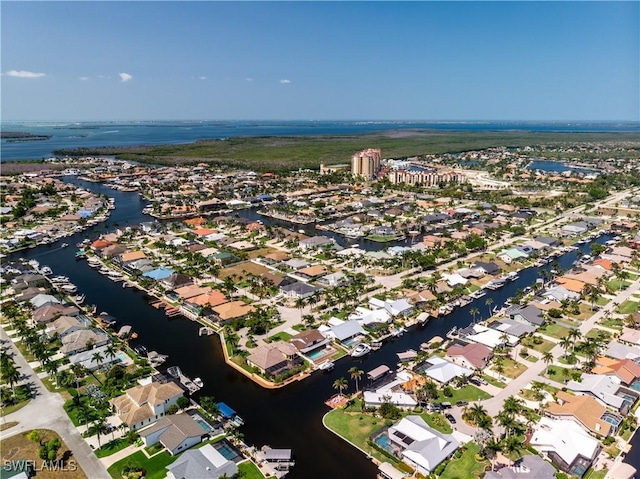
326	366
79	298
69	288
60	279
496	283
45	270
512	276
64	245
478	293
360	350
198	382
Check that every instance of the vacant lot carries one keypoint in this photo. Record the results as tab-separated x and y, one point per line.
243	270
19	447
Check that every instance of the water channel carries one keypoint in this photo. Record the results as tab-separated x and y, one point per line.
290	417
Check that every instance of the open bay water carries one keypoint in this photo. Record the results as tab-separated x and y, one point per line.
69	135
290	417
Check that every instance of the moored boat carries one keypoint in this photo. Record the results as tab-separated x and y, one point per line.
360	350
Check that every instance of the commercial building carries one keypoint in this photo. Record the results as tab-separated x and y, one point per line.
366	163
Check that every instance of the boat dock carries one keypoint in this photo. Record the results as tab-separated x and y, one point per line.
205	331
175	372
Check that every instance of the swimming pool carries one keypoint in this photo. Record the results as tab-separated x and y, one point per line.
227	450
383	441
317	354
635	385
204	425
122	357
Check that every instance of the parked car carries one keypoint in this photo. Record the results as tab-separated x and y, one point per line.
461	403
450	418
434	407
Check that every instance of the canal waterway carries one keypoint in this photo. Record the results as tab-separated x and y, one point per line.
290	417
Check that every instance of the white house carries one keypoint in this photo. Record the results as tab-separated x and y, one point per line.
145	404
176	432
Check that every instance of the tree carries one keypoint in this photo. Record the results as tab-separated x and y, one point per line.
98	428
97	357
565	343
488	302
477	414
12	374
183	402
35	437
340	384
356	374
547	357
474	311
511	446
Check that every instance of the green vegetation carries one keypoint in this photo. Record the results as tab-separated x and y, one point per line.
112	447
284	153
22	398
466	465
467	393
154	467
249	470
437	421
355	428
628	307
493	381
554	330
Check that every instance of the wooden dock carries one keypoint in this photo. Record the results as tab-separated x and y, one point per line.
175	372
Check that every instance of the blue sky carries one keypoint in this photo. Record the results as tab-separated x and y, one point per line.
320	60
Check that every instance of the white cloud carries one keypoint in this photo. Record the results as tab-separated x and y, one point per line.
284	81
125	77
248	79
202	77
83	78
24	74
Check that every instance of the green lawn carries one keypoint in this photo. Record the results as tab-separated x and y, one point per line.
249	470
466	393
613	323
154	467
544	345
23	397
554	330
466	466
281	336
558	374
112	447
355	428
628	307
596	474
437	421
512	369
493	381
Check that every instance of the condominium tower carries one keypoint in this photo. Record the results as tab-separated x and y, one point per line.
366	163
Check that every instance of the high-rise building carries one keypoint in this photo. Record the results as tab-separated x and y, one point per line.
366	163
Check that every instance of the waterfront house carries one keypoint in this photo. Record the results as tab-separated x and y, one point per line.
472	355
345	331
528	314
315	242
489	267
444	371
143	405
423	448
176	432
527	467
626	370
560	293
586	411
622	351
274	358
490	337
49	312
510	255
566	444
30	280
176	280
41	299
513	327
365	316
89	358
83	340
205	462
158	273
232	310
28	294
64	325
308	341
398	307
607	390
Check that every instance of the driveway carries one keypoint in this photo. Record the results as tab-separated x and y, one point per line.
46	412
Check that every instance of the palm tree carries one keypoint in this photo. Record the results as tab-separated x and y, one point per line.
110	351
356	374
512	405
547	357
12	374
574	334
565	343
98	427
511	446
97	357
340	384
488	302
477	414
474	312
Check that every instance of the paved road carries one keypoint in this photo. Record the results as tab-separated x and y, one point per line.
46	412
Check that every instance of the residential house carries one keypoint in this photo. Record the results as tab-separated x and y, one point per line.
299	290
626	370
176	432
232	310
315	242
529	314
333	279
346	330
308	341
607	390
527	467
205	462
489	268
566	444
444	371
423	448
586	411
95	358
41	299
560	293
512	254
49	312
143	405
65	325
83	339
472	355
390	391
398	307
274	358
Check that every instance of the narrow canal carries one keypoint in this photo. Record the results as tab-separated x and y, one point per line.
290	417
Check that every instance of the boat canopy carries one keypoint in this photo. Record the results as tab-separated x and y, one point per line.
225	410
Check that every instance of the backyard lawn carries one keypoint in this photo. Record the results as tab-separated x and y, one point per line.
538	344
559	374
466	466
249	470
437	421
512	369
493	381
355	428
112	447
